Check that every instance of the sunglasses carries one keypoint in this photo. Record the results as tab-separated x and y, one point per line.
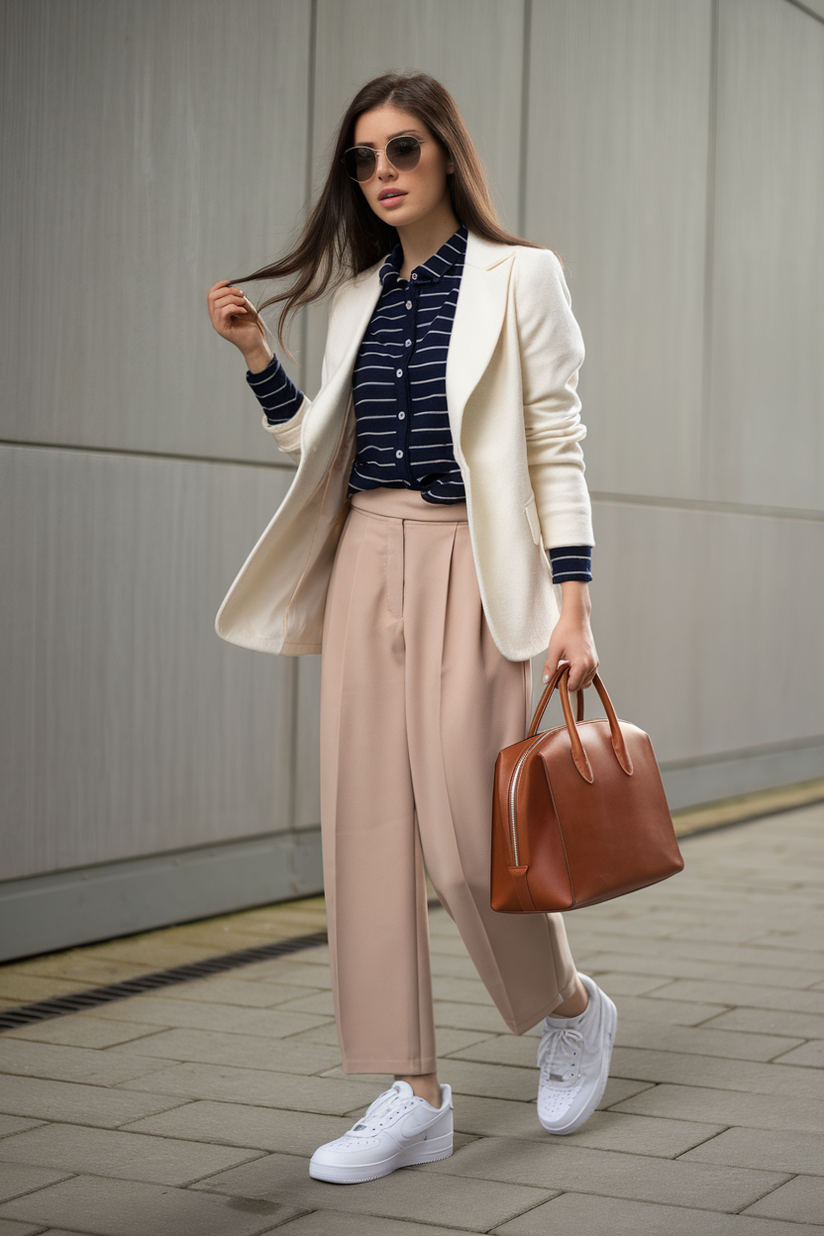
403	153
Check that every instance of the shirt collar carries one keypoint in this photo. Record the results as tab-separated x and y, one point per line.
450	254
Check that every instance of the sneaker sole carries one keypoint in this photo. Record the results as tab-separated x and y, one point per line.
439	1148
611	1024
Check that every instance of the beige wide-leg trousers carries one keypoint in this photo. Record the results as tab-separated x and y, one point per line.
416	702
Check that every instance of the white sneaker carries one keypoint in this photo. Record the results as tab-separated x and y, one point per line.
398	1129
573	1057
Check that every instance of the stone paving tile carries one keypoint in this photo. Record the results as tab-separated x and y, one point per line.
483	1116
729	1107
811	1055
303	974
510	1049
561	1167
337	1223
747	994
107	1207
576	1214
128	1156
18	1056
273	969
701	1041
265	1089
500	1082
619	983
81	1030
168	1012
291	1055
468	1205
221	989
319	1005
240	1124
801	1200
17	1178
26	988
78	1104
468	1017
693	952
465	991
666	1012
10	1227
802	1153
644	1135
16	1124
688	1070
770	1021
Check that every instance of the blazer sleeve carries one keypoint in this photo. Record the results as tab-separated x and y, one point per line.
287	433
551	352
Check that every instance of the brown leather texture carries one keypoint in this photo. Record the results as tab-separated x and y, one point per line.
579	812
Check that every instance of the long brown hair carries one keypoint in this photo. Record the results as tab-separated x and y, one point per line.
343	236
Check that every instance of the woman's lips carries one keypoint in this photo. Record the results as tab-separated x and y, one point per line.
393	199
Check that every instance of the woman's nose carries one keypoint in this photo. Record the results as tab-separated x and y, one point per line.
384	167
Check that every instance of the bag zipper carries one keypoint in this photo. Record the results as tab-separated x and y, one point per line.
513	788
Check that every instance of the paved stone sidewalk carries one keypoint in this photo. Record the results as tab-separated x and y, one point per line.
193	1112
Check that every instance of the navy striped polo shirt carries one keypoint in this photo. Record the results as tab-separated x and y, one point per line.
403	437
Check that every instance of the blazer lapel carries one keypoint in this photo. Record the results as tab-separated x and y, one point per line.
479	317
347	326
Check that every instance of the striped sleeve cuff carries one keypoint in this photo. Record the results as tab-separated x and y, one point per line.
276	392
571	562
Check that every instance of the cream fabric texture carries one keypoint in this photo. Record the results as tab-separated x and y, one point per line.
514	413
416	702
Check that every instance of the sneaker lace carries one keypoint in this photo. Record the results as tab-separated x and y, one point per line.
373	1118
559	1056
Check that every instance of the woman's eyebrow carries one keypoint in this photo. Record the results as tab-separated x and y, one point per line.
402	133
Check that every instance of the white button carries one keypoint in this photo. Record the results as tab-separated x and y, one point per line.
409	343
399	454
414	276
398	373
409	304
401	416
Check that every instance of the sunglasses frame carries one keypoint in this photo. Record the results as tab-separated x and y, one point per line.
376	150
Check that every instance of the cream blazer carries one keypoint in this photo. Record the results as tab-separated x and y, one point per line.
514	412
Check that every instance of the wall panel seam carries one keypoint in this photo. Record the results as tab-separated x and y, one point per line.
709	256
745	753
117	452
705	504
525	85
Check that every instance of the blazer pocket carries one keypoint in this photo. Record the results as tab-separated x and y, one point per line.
531	512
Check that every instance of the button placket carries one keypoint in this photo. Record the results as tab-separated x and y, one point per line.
403	390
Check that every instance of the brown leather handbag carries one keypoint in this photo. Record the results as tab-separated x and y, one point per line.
579	812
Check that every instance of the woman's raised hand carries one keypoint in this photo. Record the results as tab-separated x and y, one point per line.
235	318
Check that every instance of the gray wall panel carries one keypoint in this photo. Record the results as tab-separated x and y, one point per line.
616	182
128	726
766	435
154	149
695	633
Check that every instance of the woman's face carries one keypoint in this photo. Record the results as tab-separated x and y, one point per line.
403	198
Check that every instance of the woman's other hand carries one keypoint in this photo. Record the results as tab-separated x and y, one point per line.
572	639
235	318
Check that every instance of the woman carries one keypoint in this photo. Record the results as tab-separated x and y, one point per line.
438	508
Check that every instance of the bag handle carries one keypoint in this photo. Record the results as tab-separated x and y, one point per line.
560	680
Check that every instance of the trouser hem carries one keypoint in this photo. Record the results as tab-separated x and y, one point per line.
406	1068
526	1023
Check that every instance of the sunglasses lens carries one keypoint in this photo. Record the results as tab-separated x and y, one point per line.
404	153
360	162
